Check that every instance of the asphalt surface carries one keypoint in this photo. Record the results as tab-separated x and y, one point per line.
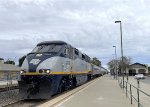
146	80
8	97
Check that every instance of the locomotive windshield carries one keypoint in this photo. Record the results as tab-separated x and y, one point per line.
51	48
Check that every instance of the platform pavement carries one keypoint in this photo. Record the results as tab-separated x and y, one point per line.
105	92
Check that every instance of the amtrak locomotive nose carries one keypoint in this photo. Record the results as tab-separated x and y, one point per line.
42	52
36	80
53	67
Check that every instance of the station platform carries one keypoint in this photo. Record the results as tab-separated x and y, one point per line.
104	92
6	83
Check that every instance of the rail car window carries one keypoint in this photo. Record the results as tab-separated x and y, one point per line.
96	69
83	56
76	52
71	52
47	48
66	51
87	58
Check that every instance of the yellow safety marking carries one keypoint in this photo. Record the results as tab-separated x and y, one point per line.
55	73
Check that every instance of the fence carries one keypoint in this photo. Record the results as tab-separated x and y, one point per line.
135	94
8	86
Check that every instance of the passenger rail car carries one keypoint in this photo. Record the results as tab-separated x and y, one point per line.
53	67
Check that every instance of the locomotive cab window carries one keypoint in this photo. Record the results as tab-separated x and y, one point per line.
51	48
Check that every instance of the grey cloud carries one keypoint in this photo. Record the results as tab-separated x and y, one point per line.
86	24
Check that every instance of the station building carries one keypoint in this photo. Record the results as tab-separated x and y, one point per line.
8	67
137	68
8	70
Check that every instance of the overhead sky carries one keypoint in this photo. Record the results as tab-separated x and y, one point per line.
85	24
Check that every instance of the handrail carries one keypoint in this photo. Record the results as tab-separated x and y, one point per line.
130	91
139	89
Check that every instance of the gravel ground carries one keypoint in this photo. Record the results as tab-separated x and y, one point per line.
12	97
9	97
26	103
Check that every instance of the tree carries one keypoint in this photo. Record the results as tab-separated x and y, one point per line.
21	60
111	63
118	62
9	62
95	61
149	70
126	63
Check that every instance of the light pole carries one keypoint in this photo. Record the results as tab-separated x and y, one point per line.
113	66
121	50
116	63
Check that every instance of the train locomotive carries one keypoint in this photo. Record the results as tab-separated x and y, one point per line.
53	67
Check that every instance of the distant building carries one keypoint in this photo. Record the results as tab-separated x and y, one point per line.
1	60
9	69
137	68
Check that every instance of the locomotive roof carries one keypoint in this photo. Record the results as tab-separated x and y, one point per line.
51	42
1	59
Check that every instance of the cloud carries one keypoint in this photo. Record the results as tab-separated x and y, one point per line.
85	24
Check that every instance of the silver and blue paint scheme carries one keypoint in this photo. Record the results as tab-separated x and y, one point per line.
53	67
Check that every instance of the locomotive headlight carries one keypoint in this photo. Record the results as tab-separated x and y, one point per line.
22	71
48	71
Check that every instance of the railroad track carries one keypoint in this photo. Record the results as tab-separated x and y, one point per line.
34	103
8	88
51	102
25	103
7	97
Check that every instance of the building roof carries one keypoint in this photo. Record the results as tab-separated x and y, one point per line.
138	64
9	67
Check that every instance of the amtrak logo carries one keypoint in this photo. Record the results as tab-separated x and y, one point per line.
35	61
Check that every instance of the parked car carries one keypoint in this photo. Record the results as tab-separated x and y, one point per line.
139	76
